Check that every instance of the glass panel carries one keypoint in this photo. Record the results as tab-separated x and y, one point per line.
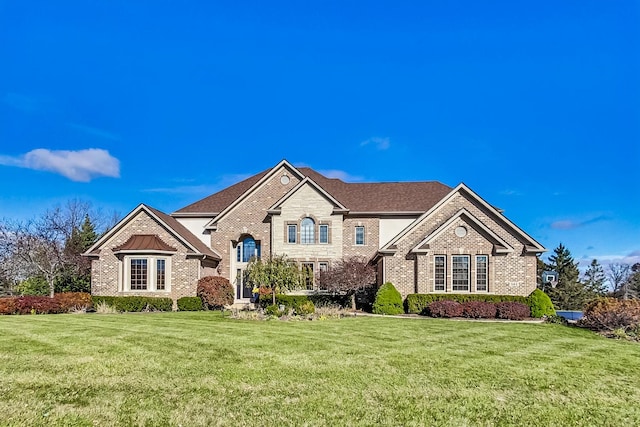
160	274
460	266
308	266
238	283
324	233
439	269
291	234
239	252
323	266
138	274
307	231
249	250
359	235
481	272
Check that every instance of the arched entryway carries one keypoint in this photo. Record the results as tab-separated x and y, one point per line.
246	249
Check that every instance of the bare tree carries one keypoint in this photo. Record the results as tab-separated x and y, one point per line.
618	275
348	276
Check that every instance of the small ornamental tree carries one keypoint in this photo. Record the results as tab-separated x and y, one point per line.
279	274
348	276
540	304
388	300
215	292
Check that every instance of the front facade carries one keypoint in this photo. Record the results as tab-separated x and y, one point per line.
424	237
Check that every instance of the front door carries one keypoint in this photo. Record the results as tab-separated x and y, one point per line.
242	291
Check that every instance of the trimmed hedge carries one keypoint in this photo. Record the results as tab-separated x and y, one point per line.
388	300
135	303
74	300
445	308
190	304
418	303
512	310
540	304
32	304
479	310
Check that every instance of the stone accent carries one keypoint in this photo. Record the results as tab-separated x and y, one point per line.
509	274
107	272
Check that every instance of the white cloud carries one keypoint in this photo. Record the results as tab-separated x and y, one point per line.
344	176
80	165
605	260
569	224
378	142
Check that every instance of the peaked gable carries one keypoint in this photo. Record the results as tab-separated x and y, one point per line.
531	245
339	207
195	246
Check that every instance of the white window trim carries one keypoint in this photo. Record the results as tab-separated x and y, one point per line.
468	273
445	273
151	273
486	273
355	236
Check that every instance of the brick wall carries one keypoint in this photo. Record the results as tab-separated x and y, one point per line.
509	274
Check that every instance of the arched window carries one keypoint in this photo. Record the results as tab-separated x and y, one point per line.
247	248
307	232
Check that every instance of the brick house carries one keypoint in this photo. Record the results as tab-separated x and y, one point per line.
424	237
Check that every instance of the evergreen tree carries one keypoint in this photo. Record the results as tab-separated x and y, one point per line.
594	279
569	293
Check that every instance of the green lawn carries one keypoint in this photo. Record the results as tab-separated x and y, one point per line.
201	369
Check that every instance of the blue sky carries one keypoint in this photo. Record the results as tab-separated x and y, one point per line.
535	106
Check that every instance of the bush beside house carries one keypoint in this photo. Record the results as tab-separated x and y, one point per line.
215	291
190	304
388	300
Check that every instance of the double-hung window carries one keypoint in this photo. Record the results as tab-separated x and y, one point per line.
323	233
146	273
460	272
482	273
292	232
440	275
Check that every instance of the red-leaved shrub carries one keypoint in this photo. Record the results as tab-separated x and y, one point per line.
479	310
8	305
29	304
74	300
445	308
215	291
610	314
512	310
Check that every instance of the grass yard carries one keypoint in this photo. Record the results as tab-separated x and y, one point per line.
202	369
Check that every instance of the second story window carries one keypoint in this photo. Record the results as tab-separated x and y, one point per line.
292	232
323	233
359	235
247	249
307	231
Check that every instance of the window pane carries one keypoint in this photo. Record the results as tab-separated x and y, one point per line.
249	249
291	234
160	274
360	235
482	268
460	271
324	233
307	231
439	269
308	268
323	266
138	274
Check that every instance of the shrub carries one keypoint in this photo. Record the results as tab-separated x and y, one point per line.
540	304
216	292
34	286
8	305
103	308
445	308
388	300
305	308
70	301
512	310
190	304
418	303
135	303
610	314
273	310
319	300
479	310
37	305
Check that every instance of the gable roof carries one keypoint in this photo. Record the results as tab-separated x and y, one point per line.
275	209
361	197
195	245
530	244
500	246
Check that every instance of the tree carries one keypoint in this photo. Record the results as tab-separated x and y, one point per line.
348	276
278	274
634	279
569	293
594	279
540	268
618	275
